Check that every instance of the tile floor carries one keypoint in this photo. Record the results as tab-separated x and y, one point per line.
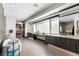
32	47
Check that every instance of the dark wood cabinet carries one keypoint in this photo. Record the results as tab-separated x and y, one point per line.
65	43
62	42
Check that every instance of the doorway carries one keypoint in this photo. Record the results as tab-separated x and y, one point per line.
19	29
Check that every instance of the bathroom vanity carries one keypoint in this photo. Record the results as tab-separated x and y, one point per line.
70	43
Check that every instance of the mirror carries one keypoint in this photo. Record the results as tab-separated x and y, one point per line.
66	26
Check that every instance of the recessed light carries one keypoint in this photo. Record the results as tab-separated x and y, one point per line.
13	5
35	5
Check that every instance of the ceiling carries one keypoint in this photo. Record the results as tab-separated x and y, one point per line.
22	11
28	11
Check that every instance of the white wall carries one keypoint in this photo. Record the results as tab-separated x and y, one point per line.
11	24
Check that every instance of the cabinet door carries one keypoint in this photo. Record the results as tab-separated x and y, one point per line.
67	44
64	43
61	42
47	39
77	46
72	45
52	40
57	41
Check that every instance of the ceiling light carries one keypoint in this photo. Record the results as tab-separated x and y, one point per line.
35	5
13	5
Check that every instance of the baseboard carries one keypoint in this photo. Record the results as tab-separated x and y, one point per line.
66	52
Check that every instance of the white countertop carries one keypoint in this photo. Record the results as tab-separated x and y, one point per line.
66	36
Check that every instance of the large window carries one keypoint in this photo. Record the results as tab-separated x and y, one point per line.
55	25
43	27
46	26
34	27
